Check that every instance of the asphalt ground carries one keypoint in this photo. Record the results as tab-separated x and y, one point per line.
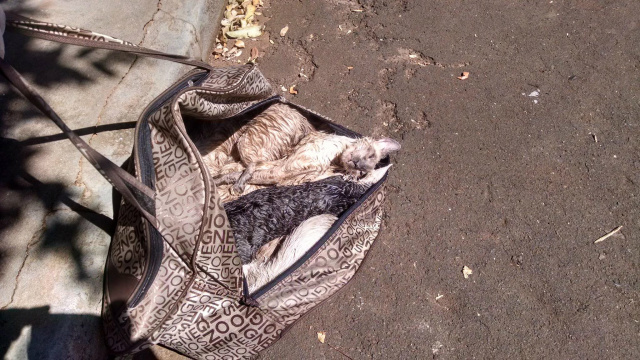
513	172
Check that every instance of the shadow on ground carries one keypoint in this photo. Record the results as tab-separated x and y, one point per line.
46	69
70	336
36	333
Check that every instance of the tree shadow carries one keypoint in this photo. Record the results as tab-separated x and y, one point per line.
47	66
51	336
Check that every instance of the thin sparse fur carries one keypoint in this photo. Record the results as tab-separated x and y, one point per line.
280	147
271	135
266	268
318	155
273	212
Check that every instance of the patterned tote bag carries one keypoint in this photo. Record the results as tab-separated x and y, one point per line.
173	276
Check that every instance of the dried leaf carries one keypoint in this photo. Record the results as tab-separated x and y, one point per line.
466	272
271	41
357	10
250	12
292	90
349	67
284	30
254	53
248	32
283	88
321	336
239	44
464	76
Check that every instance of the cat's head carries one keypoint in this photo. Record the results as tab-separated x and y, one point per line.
362	156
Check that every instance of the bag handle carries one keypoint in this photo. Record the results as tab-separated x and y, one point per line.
132	190
82	37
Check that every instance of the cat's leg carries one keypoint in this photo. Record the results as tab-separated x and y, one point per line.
226	179
238	187
278	176
248	174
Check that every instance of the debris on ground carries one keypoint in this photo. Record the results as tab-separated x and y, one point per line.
466	271
435	348
321	336
245	32
611	233
239	22
292	90
254	54
284	30
517	260
464	76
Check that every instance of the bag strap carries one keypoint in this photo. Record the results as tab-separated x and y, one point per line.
77	36
132	190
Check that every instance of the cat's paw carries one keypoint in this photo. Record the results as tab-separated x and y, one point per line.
236	190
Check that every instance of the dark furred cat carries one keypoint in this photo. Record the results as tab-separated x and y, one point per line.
273	212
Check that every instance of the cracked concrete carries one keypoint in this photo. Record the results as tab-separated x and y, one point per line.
52	250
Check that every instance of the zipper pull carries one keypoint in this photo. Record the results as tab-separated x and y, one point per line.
249	301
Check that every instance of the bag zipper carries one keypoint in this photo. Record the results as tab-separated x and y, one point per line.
155	249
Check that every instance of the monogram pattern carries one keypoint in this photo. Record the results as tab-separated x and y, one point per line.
170	282
210	324
194	304
217	255
179	182
127	251
216	101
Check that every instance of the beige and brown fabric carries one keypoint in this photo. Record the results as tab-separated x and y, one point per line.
173	275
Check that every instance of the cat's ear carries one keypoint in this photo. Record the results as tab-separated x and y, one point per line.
386	146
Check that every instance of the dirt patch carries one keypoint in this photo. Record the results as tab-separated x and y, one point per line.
513	186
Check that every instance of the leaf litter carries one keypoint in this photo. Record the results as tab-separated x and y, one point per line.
239	22
466	272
